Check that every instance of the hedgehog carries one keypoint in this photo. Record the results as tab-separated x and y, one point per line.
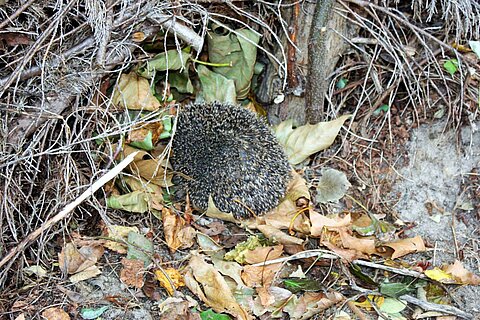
227	152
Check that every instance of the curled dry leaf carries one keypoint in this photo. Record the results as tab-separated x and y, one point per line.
209	285
306	140
320	221
168	277
73	260
90	272
177	233
454	273
133	92
132	273
312	303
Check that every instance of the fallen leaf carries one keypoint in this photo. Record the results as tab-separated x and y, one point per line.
55	314
308	139
90	272
312	303
332	185
231	269
93	313
132	273
209	285
177	233
177	308
133	92
462	275
145	136
405	246
320	221
72	260
169	277
261	254
259	276
278	236
139	247
119	233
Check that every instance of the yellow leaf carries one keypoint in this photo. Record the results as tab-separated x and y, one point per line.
175	277
119	233
439	275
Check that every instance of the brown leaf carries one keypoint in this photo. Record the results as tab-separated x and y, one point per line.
209	285
364	245
405	246
312	303
14	38
177	234
278	235
55	314
261	254
73	260
132	273
260	276
320	221
140	132
462	275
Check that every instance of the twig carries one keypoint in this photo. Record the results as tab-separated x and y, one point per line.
10	257
429	306
16	13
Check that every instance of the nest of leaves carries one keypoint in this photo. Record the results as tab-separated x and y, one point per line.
69	114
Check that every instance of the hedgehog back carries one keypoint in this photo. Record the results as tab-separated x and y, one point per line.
229	153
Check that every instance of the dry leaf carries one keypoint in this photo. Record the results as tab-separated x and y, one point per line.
332	185
132	273
88	273
177	234
133	92
405	246
462	275
364	245
55	314
174	278
73	260
312	303
279	236
308	139
261	254
209	285
119	233
320	221
259	276
231	269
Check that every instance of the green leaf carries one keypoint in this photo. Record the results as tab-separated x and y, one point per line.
237	49
139	248
342	83
88	313
297	285
392	306
358	273
451	66
475	46
146	144
170	60
306	140
136	201
215	87
383	108
395	289
181	81
212	315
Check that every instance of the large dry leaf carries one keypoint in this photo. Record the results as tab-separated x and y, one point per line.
262	254
308	139
279	236
231	269
259	276
405	246
320	221
55	314
209	285
170	277
90	272
73	260
119	236
363	245
133	92
332	185
312	303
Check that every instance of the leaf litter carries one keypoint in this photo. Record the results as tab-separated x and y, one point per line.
245	282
